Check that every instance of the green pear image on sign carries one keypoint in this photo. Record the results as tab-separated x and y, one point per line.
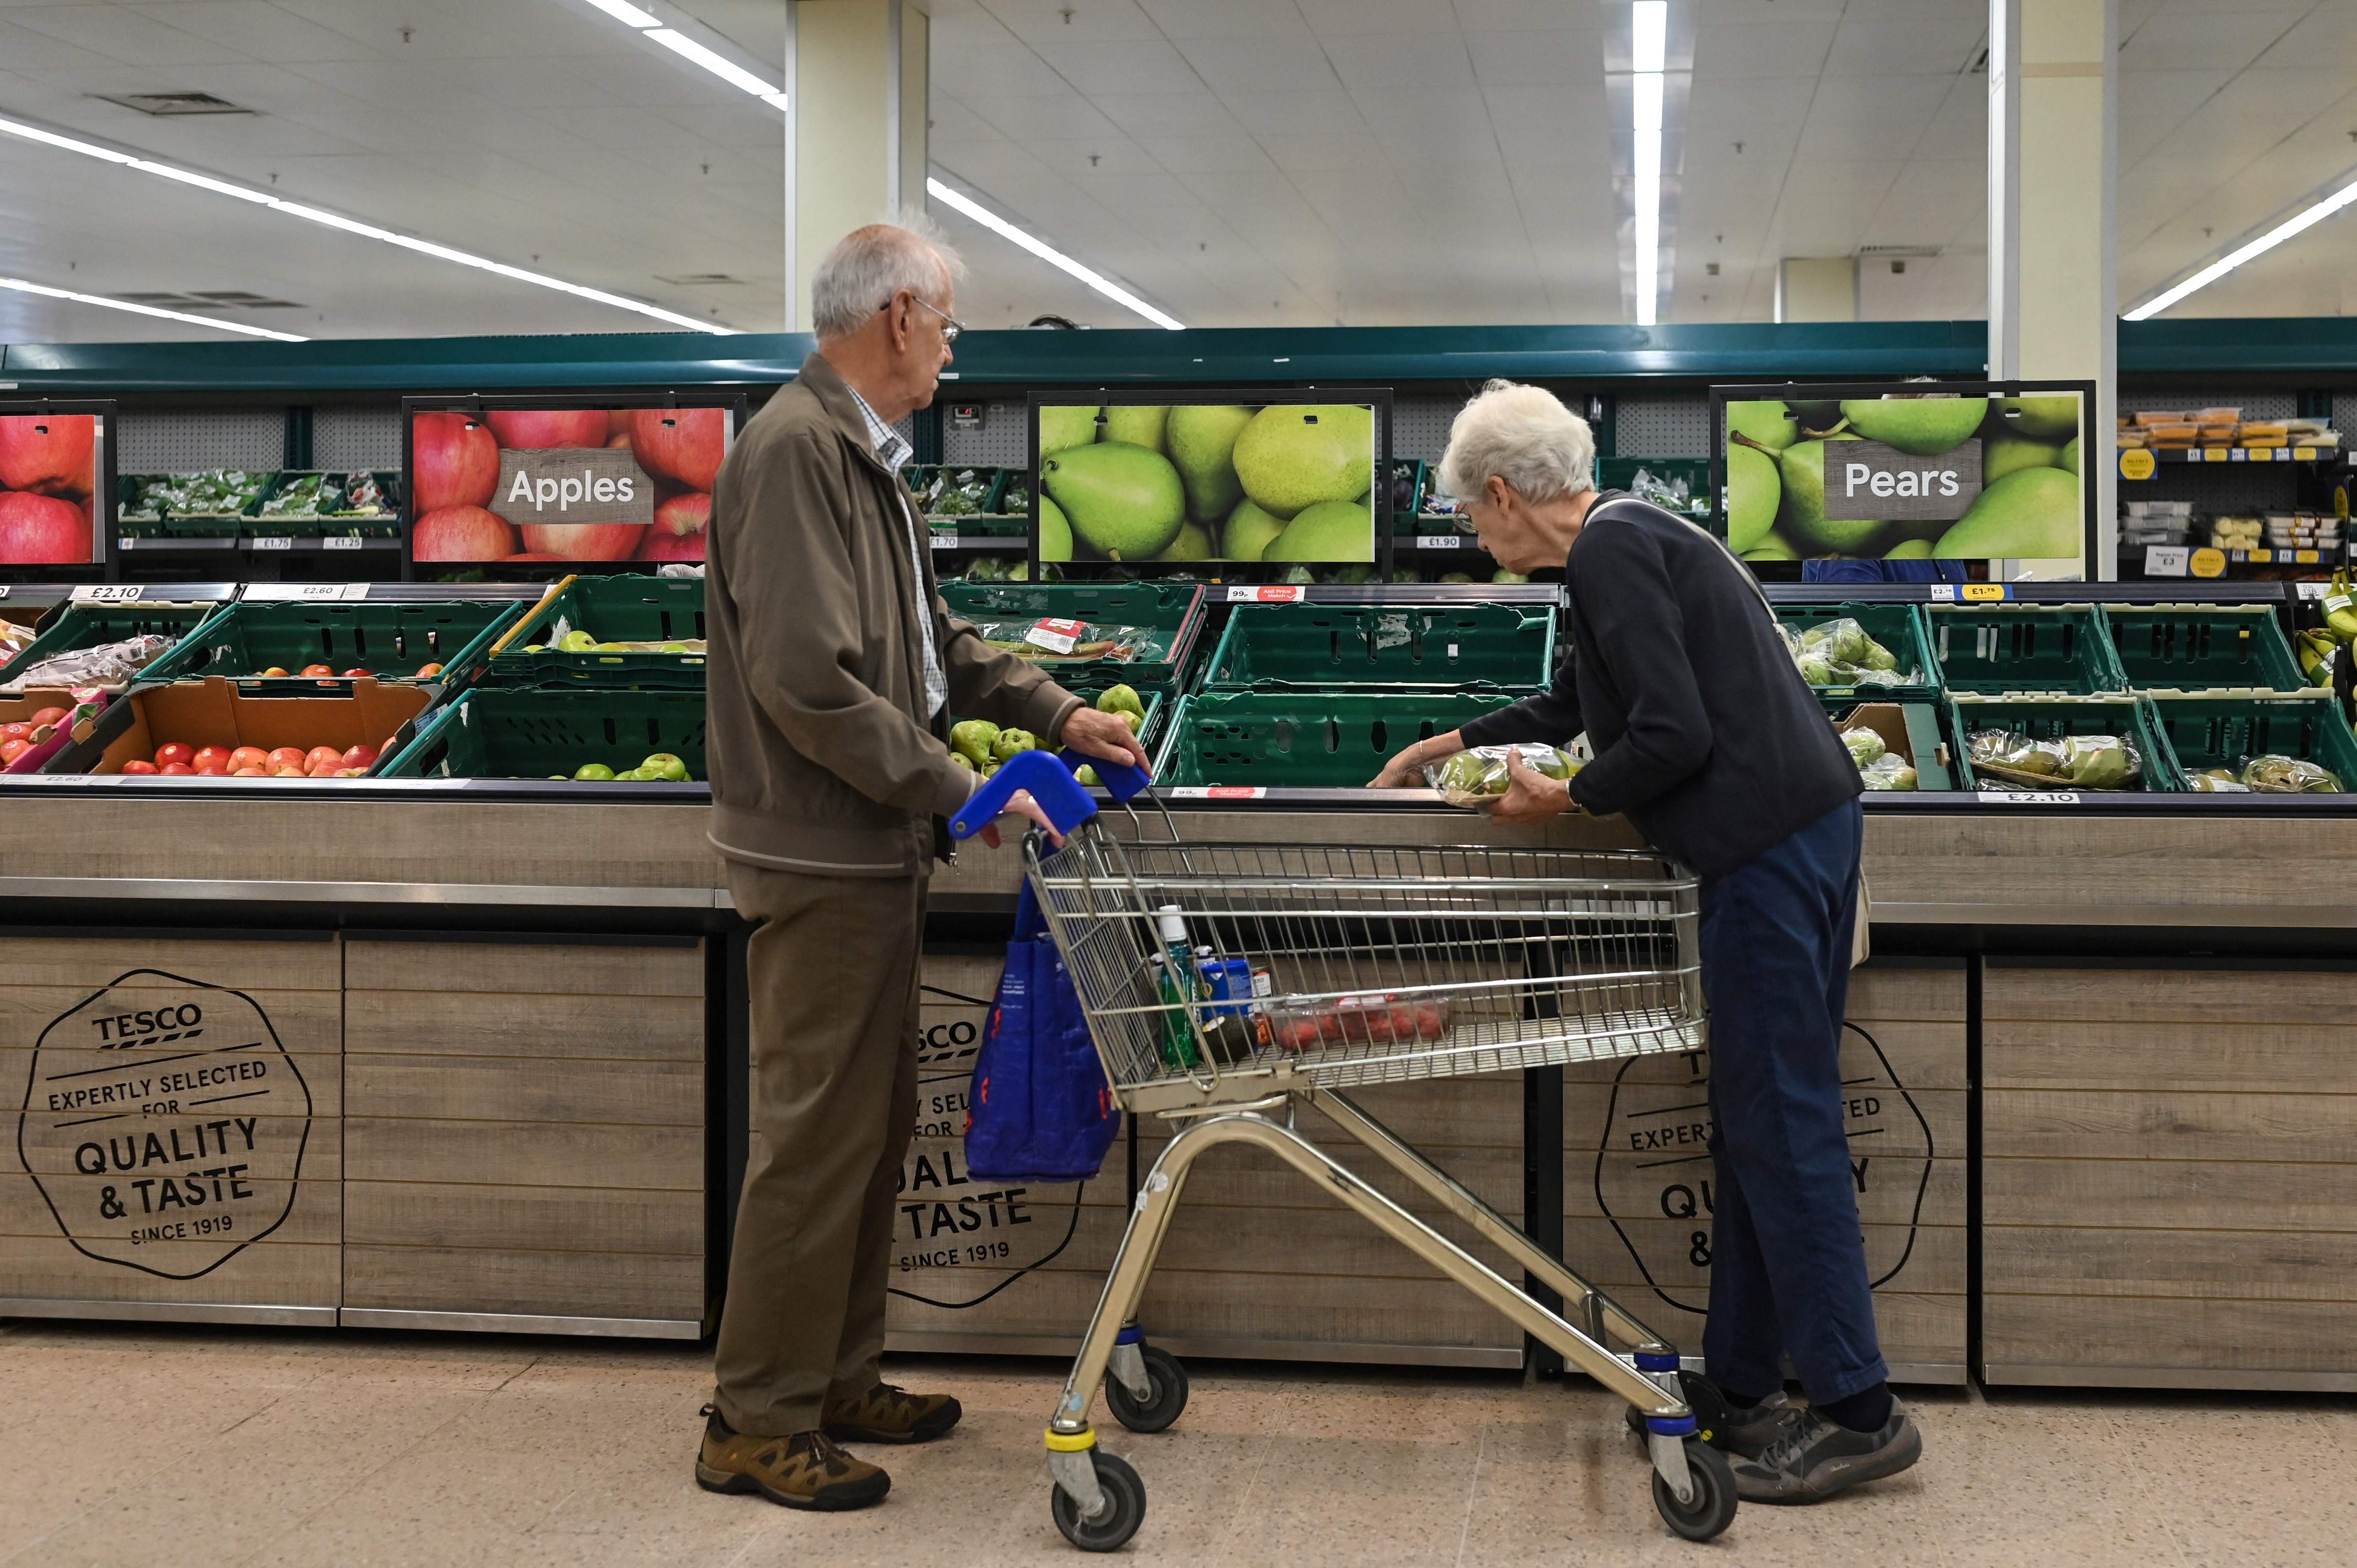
1655	1180
163	1124
958	1242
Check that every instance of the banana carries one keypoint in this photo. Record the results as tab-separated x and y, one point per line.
2315	650
2340	606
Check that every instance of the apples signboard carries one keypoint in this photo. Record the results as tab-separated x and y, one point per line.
1912	470
562	484
49	480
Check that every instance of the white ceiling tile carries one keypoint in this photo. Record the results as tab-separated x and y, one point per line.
1194	113
1410	63
1327	110
1044	22
25	49
1066	115
1114	157
1115	67
2204	40
998	71
1344	151
256	30
1748	49
1233	66
1228	152
1556	57
1225	18
1523	15
1358	17
1948	41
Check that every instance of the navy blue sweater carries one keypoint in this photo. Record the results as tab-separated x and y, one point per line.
1703	730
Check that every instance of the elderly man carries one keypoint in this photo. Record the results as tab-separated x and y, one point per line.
1704	733
835	670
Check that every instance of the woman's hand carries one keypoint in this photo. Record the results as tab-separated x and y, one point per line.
1531	796
1405	770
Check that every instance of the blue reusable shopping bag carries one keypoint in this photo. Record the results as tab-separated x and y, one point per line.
1041	1110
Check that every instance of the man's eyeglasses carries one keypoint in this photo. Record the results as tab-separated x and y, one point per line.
951	325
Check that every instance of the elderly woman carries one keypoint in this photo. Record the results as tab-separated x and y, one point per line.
1705	735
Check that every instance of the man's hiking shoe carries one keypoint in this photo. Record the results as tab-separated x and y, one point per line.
1743	1435
804	1471
1813	1458
889	1414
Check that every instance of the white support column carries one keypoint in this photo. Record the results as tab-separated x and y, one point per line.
2053	307
857	71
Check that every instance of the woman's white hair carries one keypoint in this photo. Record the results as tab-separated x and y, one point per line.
1523	435
869	265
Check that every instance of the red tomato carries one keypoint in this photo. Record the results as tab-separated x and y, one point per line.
318	670
136	766
216	755
354	674
173	751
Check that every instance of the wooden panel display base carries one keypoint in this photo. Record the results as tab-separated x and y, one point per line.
1638	1179
525	1134
1256	1262
2170	1183
179	1144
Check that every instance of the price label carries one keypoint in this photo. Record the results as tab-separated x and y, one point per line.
1218	792
2261	557
2245	455
108	594
1943	592
4	590
2313	590
2208	563
270	542
945	541
2026	797
2164	560
1441	541
2215	454
2303	557
305	593
342	542
1982	593
2135	463
1055	636
2303	454
1270	594
126	543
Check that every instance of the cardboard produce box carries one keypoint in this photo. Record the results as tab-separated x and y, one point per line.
212	713
20	709
1911	730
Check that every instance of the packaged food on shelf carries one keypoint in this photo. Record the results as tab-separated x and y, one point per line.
106	664
2079	761
1477	776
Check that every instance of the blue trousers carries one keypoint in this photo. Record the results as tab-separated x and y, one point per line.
1788	1262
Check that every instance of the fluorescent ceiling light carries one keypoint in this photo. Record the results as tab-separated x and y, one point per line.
335	220
728	70
622	11
1649	28
1049	254
21	287
2267	242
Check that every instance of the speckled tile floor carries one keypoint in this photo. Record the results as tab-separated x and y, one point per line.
136	1445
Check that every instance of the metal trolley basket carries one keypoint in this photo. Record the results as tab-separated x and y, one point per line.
1332	966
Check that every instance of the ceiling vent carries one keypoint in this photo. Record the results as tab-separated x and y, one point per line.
208	299
1897	253
163	105
699	280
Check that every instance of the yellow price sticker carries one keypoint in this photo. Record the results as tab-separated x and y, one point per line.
2135	463
2303	454
2208	563
1982	593
2215	455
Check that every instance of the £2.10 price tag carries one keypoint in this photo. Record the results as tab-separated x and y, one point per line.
108	594
2026	797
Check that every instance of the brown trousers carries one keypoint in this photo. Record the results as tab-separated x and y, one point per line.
832	971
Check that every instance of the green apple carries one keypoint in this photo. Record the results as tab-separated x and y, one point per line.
576	642
597	770
664	765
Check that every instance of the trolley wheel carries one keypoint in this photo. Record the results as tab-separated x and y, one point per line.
1125	1497
1702	1396
1712	1508
1169	1397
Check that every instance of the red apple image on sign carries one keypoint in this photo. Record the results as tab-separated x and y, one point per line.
682	447
658	545
463	534
582	541
49	471
534	429
453	461
41	530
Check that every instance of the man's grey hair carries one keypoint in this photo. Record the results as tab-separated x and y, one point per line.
1523	435
869	265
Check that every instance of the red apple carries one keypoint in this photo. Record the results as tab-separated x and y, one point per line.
50	452
176	769
623	439
453	461
42	717
355	674
360	757
214	756
685	514
682	445
18	730
582	541
535	429
211	769
662	545
275	672
248	773
10	750
286	757
136	766
248	757
173	751
318	670
41	530
531	555
426	671
462	533
322	759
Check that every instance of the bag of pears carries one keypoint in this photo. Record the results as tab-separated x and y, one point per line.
1477	777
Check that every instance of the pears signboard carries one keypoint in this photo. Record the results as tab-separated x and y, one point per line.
1199	479
1911	470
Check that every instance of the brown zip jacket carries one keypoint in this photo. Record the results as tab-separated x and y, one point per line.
823	759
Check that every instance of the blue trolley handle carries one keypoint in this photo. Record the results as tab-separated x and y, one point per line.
1049	776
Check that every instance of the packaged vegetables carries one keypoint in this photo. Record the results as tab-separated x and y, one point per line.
1477	777
1068	642
2270	774
1878	765
1839	653
2074	761
108	664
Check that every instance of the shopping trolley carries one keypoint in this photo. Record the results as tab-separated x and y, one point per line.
1228	984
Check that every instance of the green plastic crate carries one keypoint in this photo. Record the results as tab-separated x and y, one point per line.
494	733
1172	613
2196	648
1931	742
77	626
2051	719
2215	729
2002	649
1899	628
267	519
1504	648
613	609
1309	740
392	641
